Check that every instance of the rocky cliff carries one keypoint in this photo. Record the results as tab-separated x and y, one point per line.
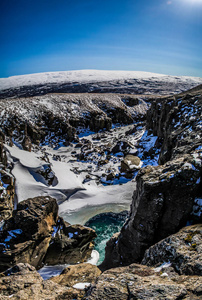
165	195
58	118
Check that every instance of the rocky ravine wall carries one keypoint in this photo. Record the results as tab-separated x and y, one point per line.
164	199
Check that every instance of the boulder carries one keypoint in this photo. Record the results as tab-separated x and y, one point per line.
17	278
70	244
71	275
24	282
131	163
26	236
78	277
142	282
183	250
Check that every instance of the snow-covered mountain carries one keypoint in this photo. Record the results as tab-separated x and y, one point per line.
133	82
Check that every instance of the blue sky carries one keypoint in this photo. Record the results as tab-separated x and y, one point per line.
57	35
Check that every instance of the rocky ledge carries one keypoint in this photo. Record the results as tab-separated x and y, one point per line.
174	272
24	282
166	194
35	232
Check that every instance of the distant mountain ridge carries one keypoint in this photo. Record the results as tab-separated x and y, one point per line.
96	81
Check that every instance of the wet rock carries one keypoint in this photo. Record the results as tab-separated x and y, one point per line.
131	163
183	250
26	236
141	282
70	244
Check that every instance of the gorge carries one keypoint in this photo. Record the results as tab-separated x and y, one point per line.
94	153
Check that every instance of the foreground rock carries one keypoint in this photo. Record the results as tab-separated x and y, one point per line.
24	282
35	234
164	199
78	278
26	236
142	282
183	250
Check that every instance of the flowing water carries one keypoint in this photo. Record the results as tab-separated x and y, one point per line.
105	225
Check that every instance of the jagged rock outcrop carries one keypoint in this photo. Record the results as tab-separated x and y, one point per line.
164	198
26	236
35	234
70	244
7	183
161	205
7	193
142	282
183	250
177	122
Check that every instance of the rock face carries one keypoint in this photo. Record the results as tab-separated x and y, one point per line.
141	282
26	236
164	199
35	234
7	192
24	282
7	183
70	244
57	118
183	250
177	122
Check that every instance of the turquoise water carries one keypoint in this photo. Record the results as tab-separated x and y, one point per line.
105	225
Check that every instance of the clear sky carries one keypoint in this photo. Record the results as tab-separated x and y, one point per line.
142	35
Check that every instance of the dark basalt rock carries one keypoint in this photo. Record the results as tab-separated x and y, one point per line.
164	198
